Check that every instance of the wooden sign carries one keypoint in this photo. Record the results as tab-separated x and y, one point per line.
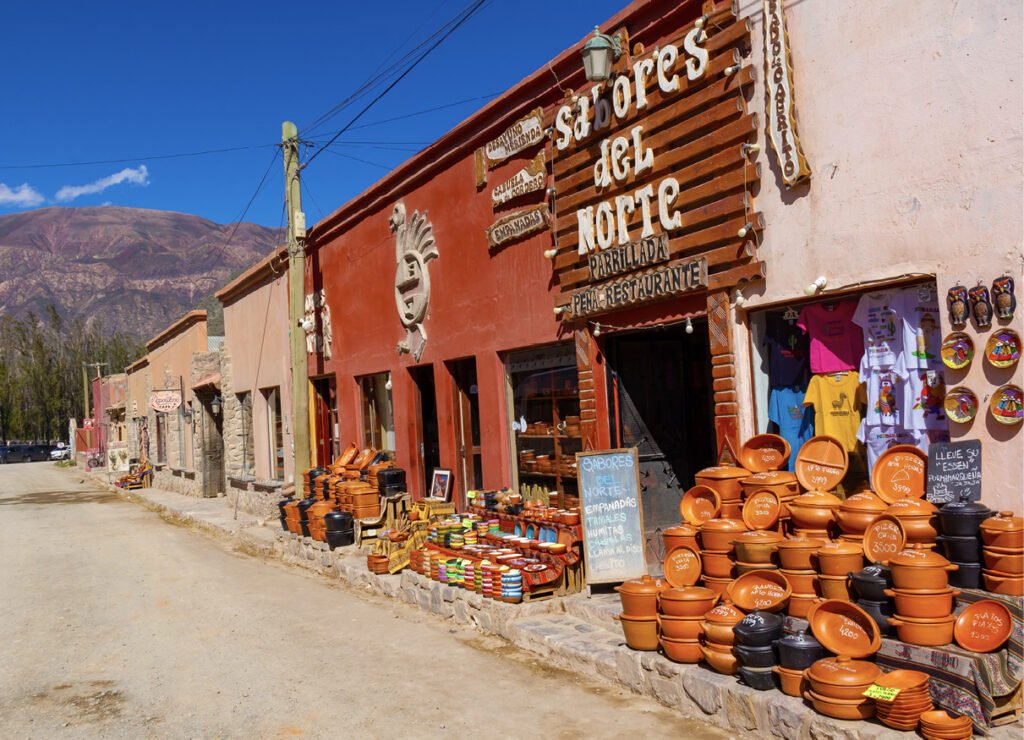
648	169
612	518
779	104
522	134
954	471
164	401
528	180
517	225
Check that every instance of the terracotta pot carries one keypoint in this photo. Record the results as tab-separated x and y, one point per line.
844	628
921	569
641	632
795	554
681	651
725	479
839	558
781	482
1003	560
742	568
804	582
923	604
717	534
766	590
813	510
835	587
861	708
1003	583
1003	530
699	504
684	534
717	564
757	546
724	663
718	633
640	596
920	530
842	678
791	682
764	452
926	632
731	510
719	621
691	601
858	511
800	605
718	585
680	628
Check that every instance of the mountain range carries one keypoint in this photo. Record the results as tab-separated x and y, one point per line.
135	270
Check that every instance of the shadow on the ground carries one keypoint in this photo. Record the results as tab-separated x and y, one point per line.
39	498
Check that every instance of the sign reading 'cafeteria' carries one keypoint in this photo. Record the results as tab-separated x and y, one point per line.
650	176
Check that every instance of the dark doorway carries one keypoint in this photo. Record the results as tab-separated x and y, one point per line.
469	474
661	402
426	422
211	420
325	412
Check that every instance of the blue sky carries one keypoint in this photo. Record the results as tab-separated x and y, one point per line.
122	80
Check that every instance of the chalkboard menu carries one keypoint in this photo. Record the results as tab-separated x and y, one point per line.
612	518
954	471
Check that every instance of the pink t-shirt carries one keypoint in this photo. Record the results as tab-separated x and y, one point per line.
836	342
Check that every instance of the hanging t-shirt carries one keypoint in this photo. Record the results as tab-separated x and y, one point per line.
880	315
794	420
788	347
836	342
922	336
923	403
877	439
836	398
885	388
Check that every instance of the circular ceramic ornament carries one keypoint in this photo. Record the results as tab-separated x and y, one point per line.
1007	404
761	509
699	504
961	404
884	538
900	472
821	463
1003	348
957	350
845	629
983	626
682	567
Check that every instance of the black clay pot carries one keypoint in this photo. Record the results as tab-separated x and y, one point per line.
963	518
280	507
391	478
967	575
304	514
761	679
755	657
798	651
338	521
960	549
314	474
871	582
758	629
341	539
880	611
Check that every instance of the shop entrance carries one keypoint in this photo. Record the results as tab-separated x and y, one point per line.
325	409
469	473
426	423
211	430
660	401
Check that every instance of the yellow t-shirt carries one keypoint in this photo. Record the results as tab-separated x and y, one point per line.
837	399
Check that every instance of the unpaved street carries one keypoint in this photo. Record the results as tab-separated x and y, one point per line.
117	624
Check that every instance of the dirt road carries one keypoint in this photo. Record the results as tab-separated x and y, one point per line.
117	624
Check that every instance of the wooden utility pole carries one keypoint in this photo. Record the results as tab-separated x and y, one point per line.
86	414
296	296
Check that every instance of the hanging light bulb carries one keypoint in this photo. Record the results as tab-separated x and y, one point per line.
597	330
689	326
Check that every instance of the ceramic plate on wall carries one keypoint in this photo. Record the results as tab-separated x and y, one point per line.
1003	348
957	350
1007	404
961	404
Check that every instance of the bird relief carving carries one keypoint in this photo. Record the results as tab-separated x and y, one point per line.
317	339
414	248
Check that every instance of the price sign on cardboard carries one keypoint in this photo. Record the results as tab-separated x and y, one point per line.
612	518
954	471
885	693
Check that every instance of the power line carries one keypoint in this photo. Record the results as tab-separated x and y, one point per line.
238	222
467	14
358	159
134	159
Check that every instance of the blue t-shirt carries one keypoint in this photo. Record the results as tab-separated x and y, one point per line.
794	420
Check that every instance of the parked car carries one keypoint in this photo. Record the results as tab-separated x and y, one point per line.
24	453
60	452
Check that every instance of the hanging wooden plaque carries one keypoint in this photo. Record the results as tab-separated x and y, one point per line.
530	179
780	107
517	225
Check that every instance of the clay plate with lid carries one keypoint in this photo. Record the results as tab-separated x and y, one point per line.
699	504
884	538
682	567
845	629
821	463
983	626
767	590
762	509
764	452
900	472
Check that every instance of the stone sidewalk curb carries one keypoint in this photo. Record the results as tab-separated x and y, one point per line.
575	633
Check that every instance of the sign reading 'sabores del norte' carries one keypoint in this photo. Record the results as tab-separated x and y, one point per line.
650	174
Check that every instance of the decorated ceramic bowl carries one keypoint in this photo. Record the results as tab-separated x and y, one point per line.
957	350
1003	348
961	404
1007	404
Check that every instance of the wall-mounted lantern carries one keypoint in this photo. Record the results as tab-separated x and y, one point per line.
599	53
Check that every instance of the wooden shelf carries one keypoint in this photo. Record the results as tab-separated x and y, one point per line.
549	436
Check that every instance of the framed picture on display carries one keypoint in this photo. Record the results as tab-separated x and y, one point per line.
441	484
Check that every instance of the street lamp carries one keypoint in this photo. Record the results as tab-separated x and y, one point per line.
215	405
599	53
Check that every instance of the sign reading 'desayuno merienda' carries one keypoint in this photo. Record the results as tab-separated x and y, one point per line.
612	517
524	133
528	180
779	105
517	225
164	401
954	471
648	169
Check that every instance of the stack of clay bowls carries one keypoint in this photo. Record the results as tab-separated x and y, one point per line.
756	550
905	710
856	513
680	613
919	519
941	725
869	586
837	685
780	482
1003	552
960	541
813	513
639	617
835	561
795	558
725	481
719	638
718	555
797	652
921	584
754	647
679	536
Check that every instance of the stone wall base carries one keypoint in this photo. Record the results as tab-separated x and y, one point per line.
168	481
258	503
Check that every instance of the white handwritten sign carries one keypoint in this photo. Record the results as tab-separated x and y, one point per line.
612	518
954	471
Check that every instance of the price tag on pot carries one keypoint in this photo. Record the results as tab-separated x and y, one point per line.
885	693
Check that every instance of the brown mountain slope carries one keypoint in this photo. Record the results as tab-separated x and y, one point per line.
133	269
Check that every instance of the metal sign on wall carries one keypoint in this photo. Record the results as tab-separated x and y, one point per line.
780	107
651	176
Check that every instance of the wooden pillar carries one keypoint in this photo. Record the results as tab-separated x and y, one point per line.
723	373
586	361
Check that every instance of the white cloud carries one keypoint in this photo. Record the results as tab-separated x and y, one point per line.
137	176
22	196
